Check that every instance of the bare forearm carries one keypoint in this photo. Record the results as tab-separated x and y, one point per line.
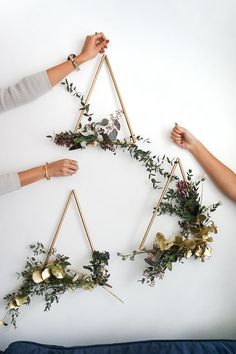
59	72
30	176
223	176
60	168
92	46
33	86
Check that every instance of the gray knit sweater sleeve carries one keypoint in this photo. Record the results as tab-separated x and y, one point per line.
9	183
26	90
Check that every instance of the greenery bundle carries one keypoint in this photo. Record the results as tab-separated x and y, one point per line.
54	279
193	239
104	134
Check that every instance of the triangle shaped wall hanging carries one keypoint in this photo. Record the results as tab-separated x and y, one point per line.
52	278
104	134
195	228
71	196
105	60
164	191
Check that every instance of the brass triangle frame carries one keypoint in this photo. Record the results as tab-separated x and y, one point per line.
176	163
54	239
105	60
71	195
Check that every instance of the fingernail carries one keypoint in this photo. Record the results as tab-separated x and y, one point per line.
176	124
107	41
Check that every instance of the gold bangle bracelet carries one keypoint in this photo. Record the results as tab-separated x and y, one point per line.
46	171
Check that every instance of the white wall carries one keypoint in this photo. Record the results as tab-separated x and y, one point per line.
174	61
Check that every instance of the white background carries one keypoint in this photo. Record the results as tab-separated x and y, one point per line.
174	62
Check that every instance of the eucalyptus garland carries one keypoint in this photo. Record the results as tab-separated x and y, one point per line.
196	227
104	134
54	279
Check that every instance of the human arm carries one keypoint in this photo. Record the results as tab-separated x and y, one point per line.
13	181
223	176
32	87
93	45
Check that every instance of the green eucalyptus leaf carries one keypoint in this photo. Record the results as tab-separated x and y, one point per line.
113	135
169	265
117	124
104	122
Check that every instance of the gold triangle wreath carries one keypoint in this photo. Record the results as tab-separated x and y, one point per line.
105	60
165	189
74	196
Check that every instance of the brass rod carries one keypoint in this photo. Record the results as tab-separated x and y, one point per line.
90	91
158	204
6	314
182	170
58	228
83	222
110	292
120	99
